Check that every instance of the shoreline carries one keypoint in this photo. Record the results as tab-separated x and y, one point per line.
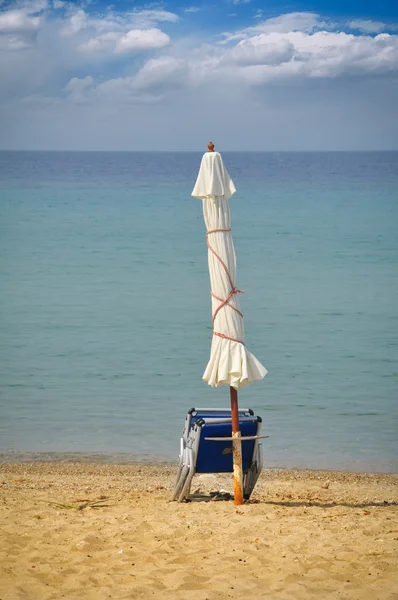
106	458
90	531
125	458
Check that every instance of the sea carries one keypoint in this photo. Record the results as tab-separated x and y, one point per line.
105	322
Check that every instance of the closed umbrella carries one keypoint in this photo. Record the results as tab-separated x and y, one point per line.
230	361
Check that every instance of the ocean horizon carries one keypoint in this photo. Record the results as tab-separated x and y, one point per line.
105	322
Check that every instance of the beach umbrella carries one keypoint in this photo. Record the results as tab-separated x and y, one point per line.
230	361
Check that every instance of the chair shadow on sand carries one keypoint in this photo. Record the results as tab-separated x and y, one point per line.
312	503
226	497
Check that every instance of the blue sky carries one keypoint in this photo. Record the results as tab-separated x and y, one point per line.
253	75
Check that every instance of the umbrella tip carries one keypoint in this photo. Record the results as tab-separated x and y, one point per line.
210	147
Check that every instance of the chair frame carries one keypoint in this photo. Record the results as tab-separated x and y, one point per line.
190	443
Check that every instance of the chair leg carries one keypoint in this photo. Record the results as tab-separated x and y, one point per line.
260	457
248	482
180	476
177	480
177	483
187	485
253	474
181	483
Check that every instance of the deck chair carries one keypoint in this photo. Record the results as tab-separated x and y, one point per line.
195	414
201	453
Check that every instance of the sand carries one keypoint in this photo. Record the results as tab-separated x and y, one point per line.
304	535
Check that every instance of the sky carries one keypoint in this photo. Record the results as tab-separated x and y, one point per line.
247	74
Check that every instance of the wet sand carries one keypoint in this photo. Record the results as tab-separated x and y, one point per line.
94	531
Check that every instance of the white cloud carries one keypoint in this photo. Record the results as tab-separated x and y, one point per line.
162	73
297	21
77	85
79	90
138	19
88	74
254	52
18	22
32	7
137	40
146	18
104	42
14	43
157	76
298	54
192	9
18	30
78	21
367	26
113	33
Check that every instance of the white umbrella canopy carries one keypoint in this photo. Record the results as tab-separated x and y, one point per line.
230	362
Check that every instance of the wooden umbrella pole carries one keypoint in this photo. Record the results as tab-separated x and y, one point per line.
237	448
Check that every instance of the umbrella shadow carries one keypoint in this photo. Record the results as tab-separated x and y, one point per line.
226	496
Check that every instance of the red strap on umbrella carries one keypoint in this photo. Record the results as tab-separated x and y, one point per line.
226	337
234	290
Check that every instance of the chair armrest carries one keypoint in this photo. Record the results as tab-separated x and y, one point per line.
239	438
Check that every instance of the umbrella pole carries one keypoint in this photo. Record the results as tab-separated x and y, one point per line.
236	448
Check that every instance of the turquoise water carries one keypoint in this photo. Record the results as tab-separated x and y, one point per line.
105	322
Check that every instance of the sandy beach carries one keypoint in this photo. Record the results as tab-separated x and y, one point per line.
303	535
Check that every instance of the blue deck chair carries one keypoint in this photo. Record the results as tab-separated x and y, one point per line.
199	454
194	414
